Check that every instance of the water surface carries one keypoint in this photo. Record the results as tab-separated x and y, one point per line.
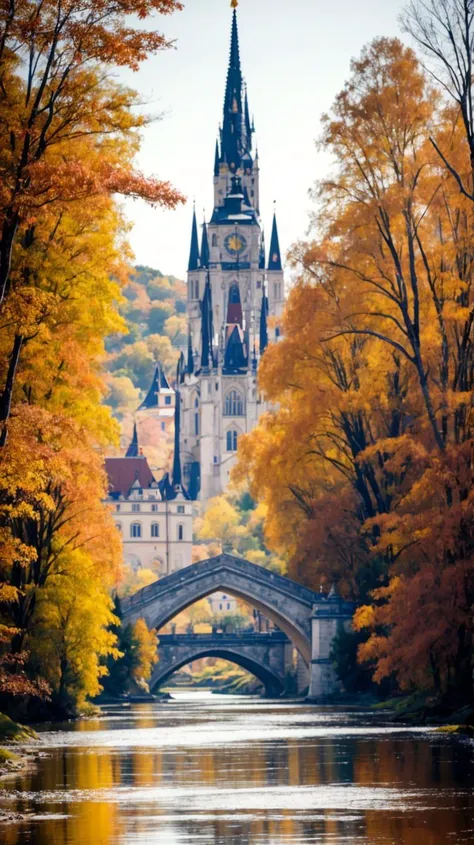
208	770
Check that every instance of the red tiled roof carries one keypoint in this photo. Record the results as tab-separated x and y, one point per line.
123	472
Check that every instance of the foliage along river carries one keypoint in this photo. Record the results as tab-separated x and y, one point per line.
211	770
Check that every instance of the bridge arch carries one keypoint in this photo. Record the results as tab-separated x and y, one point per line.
287	604
272	682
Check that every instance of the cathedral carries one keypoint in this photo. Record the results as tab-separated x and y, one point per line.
235	299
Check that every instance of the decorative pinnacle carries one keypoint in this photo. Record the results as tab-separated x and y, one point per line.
234	3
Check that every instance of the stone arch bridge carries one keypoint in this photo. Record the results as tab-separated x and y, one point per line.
267	656
310	620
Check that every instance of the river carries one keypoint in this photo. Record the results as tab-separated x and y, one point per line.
207	770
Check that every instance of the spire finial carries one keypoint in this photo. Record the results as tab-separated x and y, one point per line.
234	3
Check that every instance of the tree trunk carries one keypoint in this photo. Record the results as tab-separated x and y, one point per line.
6	397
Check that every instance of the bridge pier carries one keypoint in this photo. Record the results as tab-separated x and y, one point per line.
325	621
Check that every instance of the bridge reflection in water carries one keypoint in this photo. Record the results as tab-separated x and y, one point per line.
267	656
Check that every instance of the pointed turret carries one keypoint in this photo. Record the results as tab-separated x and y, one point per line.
235	359
233	113
194	251
263	324
207	327
274	257
133	450
159	383
204	247
216	159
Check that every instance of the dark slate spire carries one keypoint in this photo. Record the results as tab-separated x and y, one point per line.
181	368
235	359
233	113
194	251
207	327
248	126
133	450
204	247
160	382
261	258
274	257
176	487
216	159
263	324
190	364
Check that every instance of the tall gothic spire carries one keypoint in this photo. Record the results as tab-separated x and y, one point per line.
233	112
194	251
204	247
207	327
176	478
263	324
274	257
133	450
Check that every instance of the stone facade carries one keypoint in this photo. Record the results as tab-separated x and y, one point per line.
154	517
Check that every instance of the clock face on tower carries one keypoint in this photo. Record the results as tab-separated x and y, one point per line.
235	244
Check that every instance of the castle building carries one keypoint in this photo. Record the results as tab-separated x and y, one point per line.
235	299
154	517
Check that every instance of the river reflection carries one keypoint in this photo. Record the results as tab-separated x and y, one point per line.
212	770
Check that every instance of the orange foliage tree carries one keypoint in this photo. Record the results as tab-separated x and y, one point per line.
68	139
366	464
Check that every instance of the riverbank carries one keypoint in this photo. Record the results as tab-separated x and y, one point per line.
12	734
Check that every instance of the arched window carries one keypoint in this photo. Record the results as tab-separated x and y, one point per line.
196	289
234	404
232	437
118	526
234	294
155	530
214	240
180	532
135	530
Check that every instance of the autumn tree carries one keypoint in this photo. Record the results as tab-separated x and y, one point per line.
365	463
68	132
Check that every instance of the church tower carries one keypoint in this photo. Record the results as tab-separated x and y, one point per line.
233	292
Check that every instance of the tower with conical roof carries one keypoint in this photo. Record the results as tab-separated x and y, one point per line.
235	298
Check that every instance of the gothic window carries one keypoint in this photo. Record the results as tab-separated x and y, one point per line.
277	331
234	404
118	526
180	532
135	530
155	530
277	290
117	507
214	240
196	403
154	508
163	426
180	508
135	508
196	425
234	295
196	289
231	438
167	400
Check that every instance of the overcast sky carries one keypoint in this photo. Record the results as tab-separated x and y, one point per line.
295	58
